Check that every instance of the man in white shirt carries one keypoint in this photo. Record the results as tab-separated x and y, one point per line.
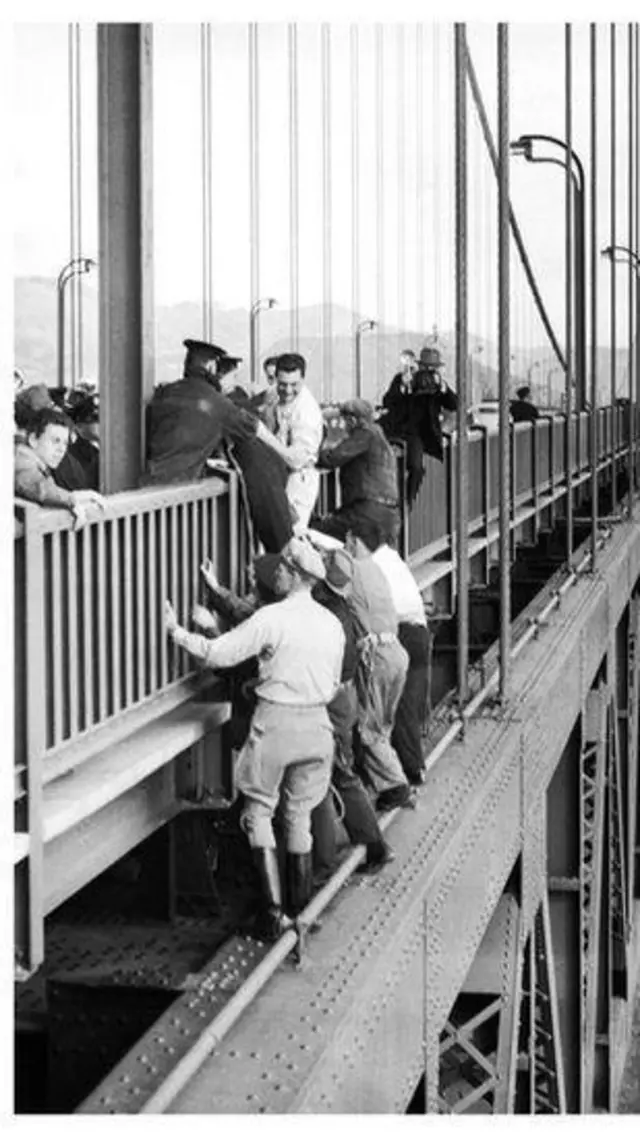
299	646
298	436
414	637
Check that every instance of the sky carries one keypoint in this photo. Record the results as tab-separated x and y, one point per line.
394	283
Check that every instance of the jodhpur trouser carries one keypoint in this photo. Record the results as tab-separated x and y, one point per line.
412	708
359	818
380	678
287	757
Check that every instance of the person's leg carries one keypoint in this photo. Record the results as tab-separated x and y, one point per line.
308	753
377	760
415	466
258	778
323	831
411	710
359	818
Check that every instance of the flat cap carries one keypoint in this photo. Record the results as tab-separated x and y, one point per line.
339	569
209	350
359	408
300	554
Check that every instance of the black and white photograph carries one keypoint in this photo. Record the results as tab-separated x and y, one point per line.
323	622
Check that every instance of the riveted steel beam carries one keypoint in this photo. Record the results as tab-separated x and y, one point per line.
346	1034
593	763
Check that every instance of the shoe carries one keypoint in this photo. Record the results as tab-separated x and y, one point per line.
271	922
379	854
397	797
299	882
417	778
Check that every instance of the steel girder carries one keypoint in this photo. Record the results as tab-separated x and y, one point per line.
347	1034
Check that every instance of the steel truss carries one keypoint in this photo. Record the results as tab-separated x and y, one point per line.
494	1059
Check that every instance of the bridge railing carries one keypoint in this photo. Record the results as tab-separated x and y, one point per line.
538	465
92	657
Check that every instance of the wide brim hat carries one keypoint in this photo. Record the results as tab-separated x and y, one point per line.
430	357
339	570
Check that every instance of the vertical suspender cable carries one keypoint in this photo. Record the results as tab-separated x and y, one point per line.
79	282
75	215
637	248
380	258
461	326
207	181
612	281
504	353
294	190
593	61
419	245
327	329
569	252
354	75
401	158
631	276
436	174
254	196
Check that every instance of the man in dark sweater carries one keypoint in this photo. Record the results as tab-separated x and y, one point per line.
359	818
522	409
368	474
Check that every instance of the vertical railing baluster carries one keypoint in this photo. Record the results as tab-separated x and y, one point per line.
72	568
152	593
87	627
141	622
175	590
101	628
127	626
35	728
163	564
117	574
57	661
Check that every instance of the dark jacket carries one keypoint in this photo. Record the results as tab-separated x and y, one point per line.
339	607
80	467
416	413
523	411
186	423
368	468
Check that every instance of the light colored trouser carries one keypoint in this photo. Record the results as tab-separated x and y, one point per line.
379	683
302	493
287	755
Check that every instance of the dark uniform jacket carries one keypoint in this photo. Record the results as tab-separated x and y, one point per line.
416	413
368	469
80	467
186	423
523	411
351	627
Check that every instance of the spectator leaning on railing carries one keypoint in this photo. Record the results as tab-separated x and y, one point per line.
38	452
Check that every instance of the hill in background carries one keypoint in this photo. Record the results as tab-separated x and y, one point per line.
331	355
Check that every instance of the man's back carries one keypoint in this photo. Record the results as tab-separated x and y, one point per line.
186	421
371	598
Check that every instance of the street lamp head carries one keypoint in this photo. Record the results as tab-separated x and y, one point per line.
607	252
521	147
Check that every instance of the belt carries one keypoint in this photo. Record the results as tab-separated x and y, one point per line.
378	638
392	503
292	706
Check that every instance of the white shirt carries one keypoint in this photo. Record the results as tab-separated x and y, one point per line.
299	645
300	427
407	599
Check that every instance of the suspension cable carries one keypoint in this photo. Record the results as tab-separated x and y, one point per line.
294	186
515	228
326	379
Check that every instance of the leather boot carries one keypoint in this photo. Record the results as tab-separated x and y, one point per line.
299	882
271	922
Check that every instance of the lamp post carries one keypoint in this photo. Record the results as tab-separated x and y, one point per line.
620	254
523	146
257	307
363	326
73	268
